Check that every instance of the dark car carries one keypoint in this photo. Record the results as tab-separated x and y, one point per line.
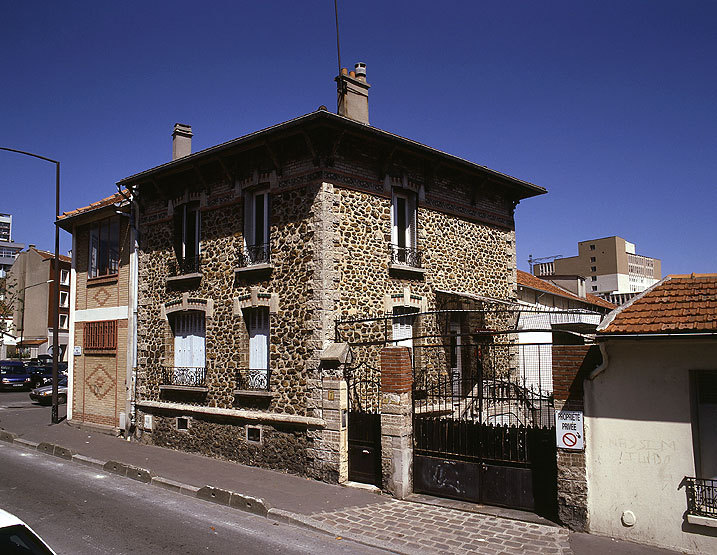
14	375
40	375
43	395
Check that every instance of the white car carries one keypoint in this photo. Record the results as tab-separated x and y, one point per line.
16	537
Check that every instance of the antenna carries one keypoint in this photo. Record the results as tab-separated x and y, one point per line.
532	261
340	84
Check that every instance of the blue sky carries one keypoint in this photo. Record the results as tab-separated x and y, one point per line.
610	105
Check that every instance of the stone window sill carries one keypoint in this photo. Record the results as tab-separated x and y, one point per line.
184	278
255	269
261	394
702	521
194	388
406	270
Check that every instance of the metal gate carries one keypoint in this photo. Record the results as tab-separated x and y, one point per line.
364	424
482	434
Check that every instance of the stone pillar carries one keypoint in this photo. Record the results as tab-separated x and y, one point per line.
571	365
396	421
332	449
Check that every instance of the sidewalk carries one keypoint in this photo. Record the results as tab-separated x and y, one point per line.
356	514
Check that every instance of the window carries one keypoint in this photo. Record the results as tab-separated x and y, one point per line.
187	223
403	320
64	277
64	320
100	336
256	228
258	328
705	423
592	247
592	259
189	341
104	248
403	229
593	278
593	268
64	299
702	489
594	287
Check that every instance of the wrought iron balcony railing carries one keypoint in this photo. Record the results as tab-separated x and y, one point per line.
701	497
252	255
405	256
188	376
253	379
184	266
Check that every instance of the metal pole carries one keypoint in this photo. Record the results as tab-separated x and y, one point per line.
56	301
56	296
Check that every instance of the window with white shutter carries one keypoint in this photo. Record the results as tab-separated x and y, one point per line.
403	321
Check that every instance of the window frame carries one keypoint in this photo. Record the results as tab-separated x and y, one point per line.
66	302
98	231
407	234
65	277
257	252
185	247
66	318
100	336
258	320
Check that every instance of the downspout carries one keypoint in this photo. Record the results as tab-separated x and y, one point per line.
71	360
603	365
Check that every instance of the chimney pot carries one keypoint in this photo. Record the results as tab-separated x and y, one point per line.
353	94
181	140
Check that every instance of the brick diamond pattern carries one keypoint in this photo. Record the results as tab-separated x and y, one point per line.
101	296
417	528
100	382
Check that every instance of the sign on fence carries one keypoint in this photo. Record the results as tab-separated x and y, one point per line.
569	429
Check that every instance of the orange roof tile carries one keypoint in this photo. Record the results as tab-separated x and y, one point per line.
117	197
46	255
534	282
678	304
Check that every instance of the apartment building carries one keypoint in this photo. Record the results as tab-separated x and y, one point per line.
8	248
611	267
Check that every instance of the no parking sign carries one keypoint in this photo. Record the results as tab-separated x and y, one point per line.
569	429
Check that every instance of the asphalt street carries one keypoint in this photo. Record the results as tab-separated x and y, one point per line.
78	510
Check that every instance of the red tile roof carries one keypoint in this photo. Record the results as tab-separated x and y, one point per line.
117	197
677	304
529	280
50	256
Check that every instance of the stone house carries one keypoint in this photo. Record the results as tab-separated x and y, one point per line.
102	294
250	251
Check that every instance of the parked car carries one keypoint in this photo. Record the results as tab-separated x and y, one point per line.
40	375
43	395
14	375
18	537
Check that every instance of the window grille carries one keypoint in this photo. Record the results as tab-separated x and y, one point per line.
100	336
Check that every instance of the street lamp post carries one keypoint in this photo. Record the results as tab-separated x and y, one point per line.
56	295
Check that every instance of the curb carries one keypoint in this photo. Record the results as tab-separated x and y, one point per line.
238	501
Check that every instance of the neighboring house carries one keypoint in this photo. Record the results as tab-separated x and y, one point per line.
30	288
9	249
251	250
562	313
611	267
102	340
651	418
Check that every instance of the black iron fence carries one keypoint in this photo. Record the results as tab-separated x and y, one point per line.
406	256
189	376
701	497
253	379
364	388
252	255
184	266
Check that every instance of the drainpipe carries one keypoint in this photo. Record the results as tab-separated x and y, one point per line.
603	365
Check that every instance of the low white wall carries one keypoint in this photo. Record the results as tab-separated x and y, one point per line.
638	436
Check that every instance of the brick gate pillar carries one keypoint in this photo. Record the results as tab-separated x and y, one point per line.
571	366
396	421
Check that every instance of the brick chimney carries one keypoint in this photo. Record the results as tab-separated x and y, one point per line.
353	93
181	140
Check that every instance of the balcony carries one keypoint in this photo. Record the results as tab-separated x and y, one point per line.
254	258
701	501
184	378
184	269
253	379
406	260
